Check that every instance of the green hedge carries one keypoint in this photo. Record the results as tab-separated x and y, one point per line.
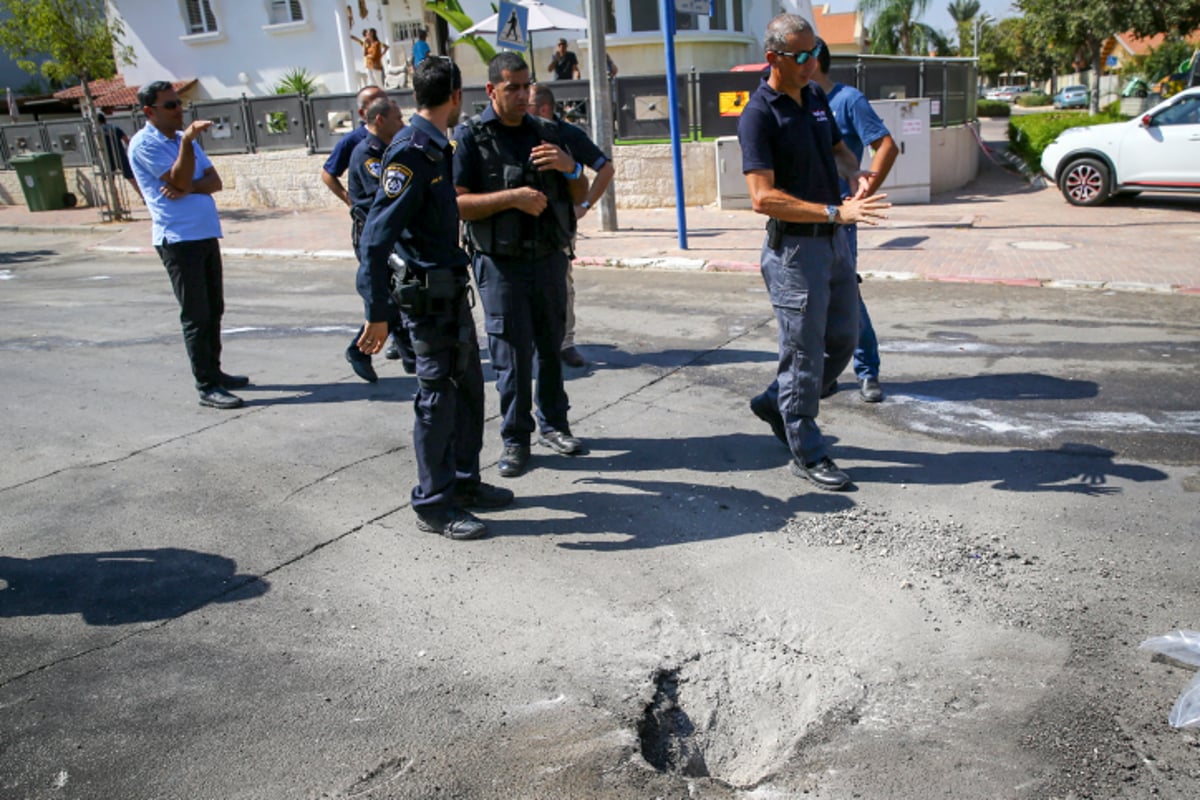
993	108
1029	135
1035	100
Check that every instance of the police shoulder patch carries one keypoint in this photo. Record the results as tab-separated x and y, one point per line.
395	180
374	167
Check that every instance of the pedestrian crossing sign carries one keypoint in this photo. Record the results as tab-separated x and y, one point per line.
512	27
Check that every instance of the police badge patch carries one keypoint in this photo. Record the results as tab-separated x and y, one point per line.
374	167
395	180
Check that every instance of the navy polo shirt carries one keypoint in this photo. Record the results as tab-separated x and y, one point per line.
415	211
580	146
793	141
366	165
339	157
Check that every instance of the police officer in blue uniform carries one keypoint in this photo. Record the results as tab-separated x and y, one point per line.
517	189
792	154
410	249
383	122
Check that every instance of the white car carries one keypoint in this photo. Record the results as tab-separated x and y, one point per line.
1158	151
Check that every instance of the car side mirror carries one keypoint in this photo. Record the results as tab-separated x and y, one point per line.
1147	120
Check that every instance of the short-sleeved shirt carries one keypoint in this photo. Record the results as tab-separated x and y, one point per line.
856	120
366	165
794	141
420	51
414	212
190	218
564	66
339	158
581	147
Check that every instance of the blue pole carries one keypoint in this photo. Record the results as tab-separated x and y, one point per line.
668	12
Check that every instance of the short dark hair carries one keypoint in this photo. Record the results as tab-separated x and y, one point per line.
434	80
505	61
542	95
823	59
148	94
101	118
380	106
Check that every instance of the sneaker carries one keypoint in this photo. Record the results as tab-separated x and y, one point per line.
481	495
766	411
562	443
216	397
513	460
870	390
453	523
823	473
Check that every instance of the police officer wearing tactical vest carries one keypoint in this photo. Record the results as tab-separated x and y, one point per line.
517	189
410	250
384	121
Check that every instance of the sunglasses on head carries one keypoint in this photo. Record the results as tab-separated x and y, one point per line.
170	105
800	57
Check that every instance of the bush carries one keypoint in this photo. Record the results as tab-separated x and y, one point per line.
296	81
1034	100
1029	135
993	108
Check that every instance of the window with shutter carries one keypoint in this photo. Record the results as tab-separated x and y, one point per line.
200	17
283	11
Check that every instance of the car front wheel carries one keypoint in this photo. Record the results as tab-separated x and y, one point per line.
1085	182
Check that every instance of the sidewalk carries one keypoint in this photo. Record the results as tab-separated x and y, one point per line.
998	229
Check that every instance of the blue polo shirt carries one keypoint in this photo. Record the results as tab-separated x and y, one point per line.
339	157
856	120
796	142
190	218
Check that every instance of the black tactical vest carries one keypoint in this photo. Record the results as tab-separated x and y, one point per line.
507	233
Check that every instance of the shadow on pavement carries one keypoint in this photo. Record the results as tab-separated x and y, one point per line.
388	389
26	256
122	586
606	356
1008	386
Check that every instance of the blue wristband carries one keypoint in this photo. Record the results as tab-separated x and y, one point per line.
576	173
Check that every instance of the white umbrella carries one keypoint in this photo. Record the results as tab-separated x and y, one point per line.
542	17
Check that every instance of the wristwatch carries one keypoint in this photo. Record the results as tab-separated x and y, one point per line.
585	205
831	213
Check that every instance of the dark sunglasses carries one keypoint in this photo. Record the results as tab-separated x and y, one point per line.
170	105
801	57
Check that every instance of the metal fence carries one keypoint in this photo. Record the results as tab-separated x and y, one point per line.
709	104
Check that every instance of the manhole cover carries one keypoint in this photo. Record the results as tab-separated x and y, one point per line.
1041	245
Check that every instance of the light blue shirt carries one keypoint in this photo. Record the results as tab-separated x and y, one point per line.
192	217
857	121
420	51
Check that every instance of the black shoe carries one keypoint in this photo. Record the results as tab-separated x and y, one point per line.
361	364
870	390
216	397
562	443
409	366
481	495
453	523
234	381
764	410
829	390
823	473
572	357
392	353
513	460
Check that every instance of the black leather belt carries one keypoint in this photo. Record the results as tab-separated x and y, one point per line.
810	229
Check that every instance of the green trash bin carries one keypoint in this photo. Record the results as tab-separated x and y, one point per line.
42	181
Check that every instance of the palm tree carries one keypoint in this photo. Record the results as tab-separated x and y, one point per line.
962	12
896	29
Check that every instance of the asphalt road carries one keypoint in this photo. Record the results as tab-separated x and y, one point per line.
203	604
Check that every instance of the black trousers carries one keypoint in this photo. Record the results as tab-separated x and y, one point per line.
196	277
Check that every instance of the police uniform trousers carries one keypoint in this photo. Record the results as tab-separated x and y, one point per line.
448	407
395	326
197	280
812	285
525	305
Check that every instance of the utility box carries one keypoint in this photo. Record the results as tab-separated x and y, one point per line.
908	122
732	191
42	181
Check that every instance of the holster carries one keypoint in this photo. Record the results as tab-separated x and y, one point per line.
774	234
358	219
424	292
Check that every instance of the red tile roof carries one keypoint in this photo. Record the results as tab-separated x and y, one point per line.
113	92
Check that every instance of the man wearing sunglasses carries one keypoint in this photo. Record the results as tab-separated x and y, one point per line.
177	182
792	155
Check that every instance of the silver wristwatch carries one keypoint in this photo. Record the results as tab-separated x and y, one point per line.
831	213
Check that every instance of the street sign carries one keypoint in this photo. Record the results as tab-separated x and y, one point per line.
701	7
512	27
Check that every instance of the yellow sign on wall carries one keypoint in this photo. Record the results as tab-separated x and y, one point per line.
732	103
